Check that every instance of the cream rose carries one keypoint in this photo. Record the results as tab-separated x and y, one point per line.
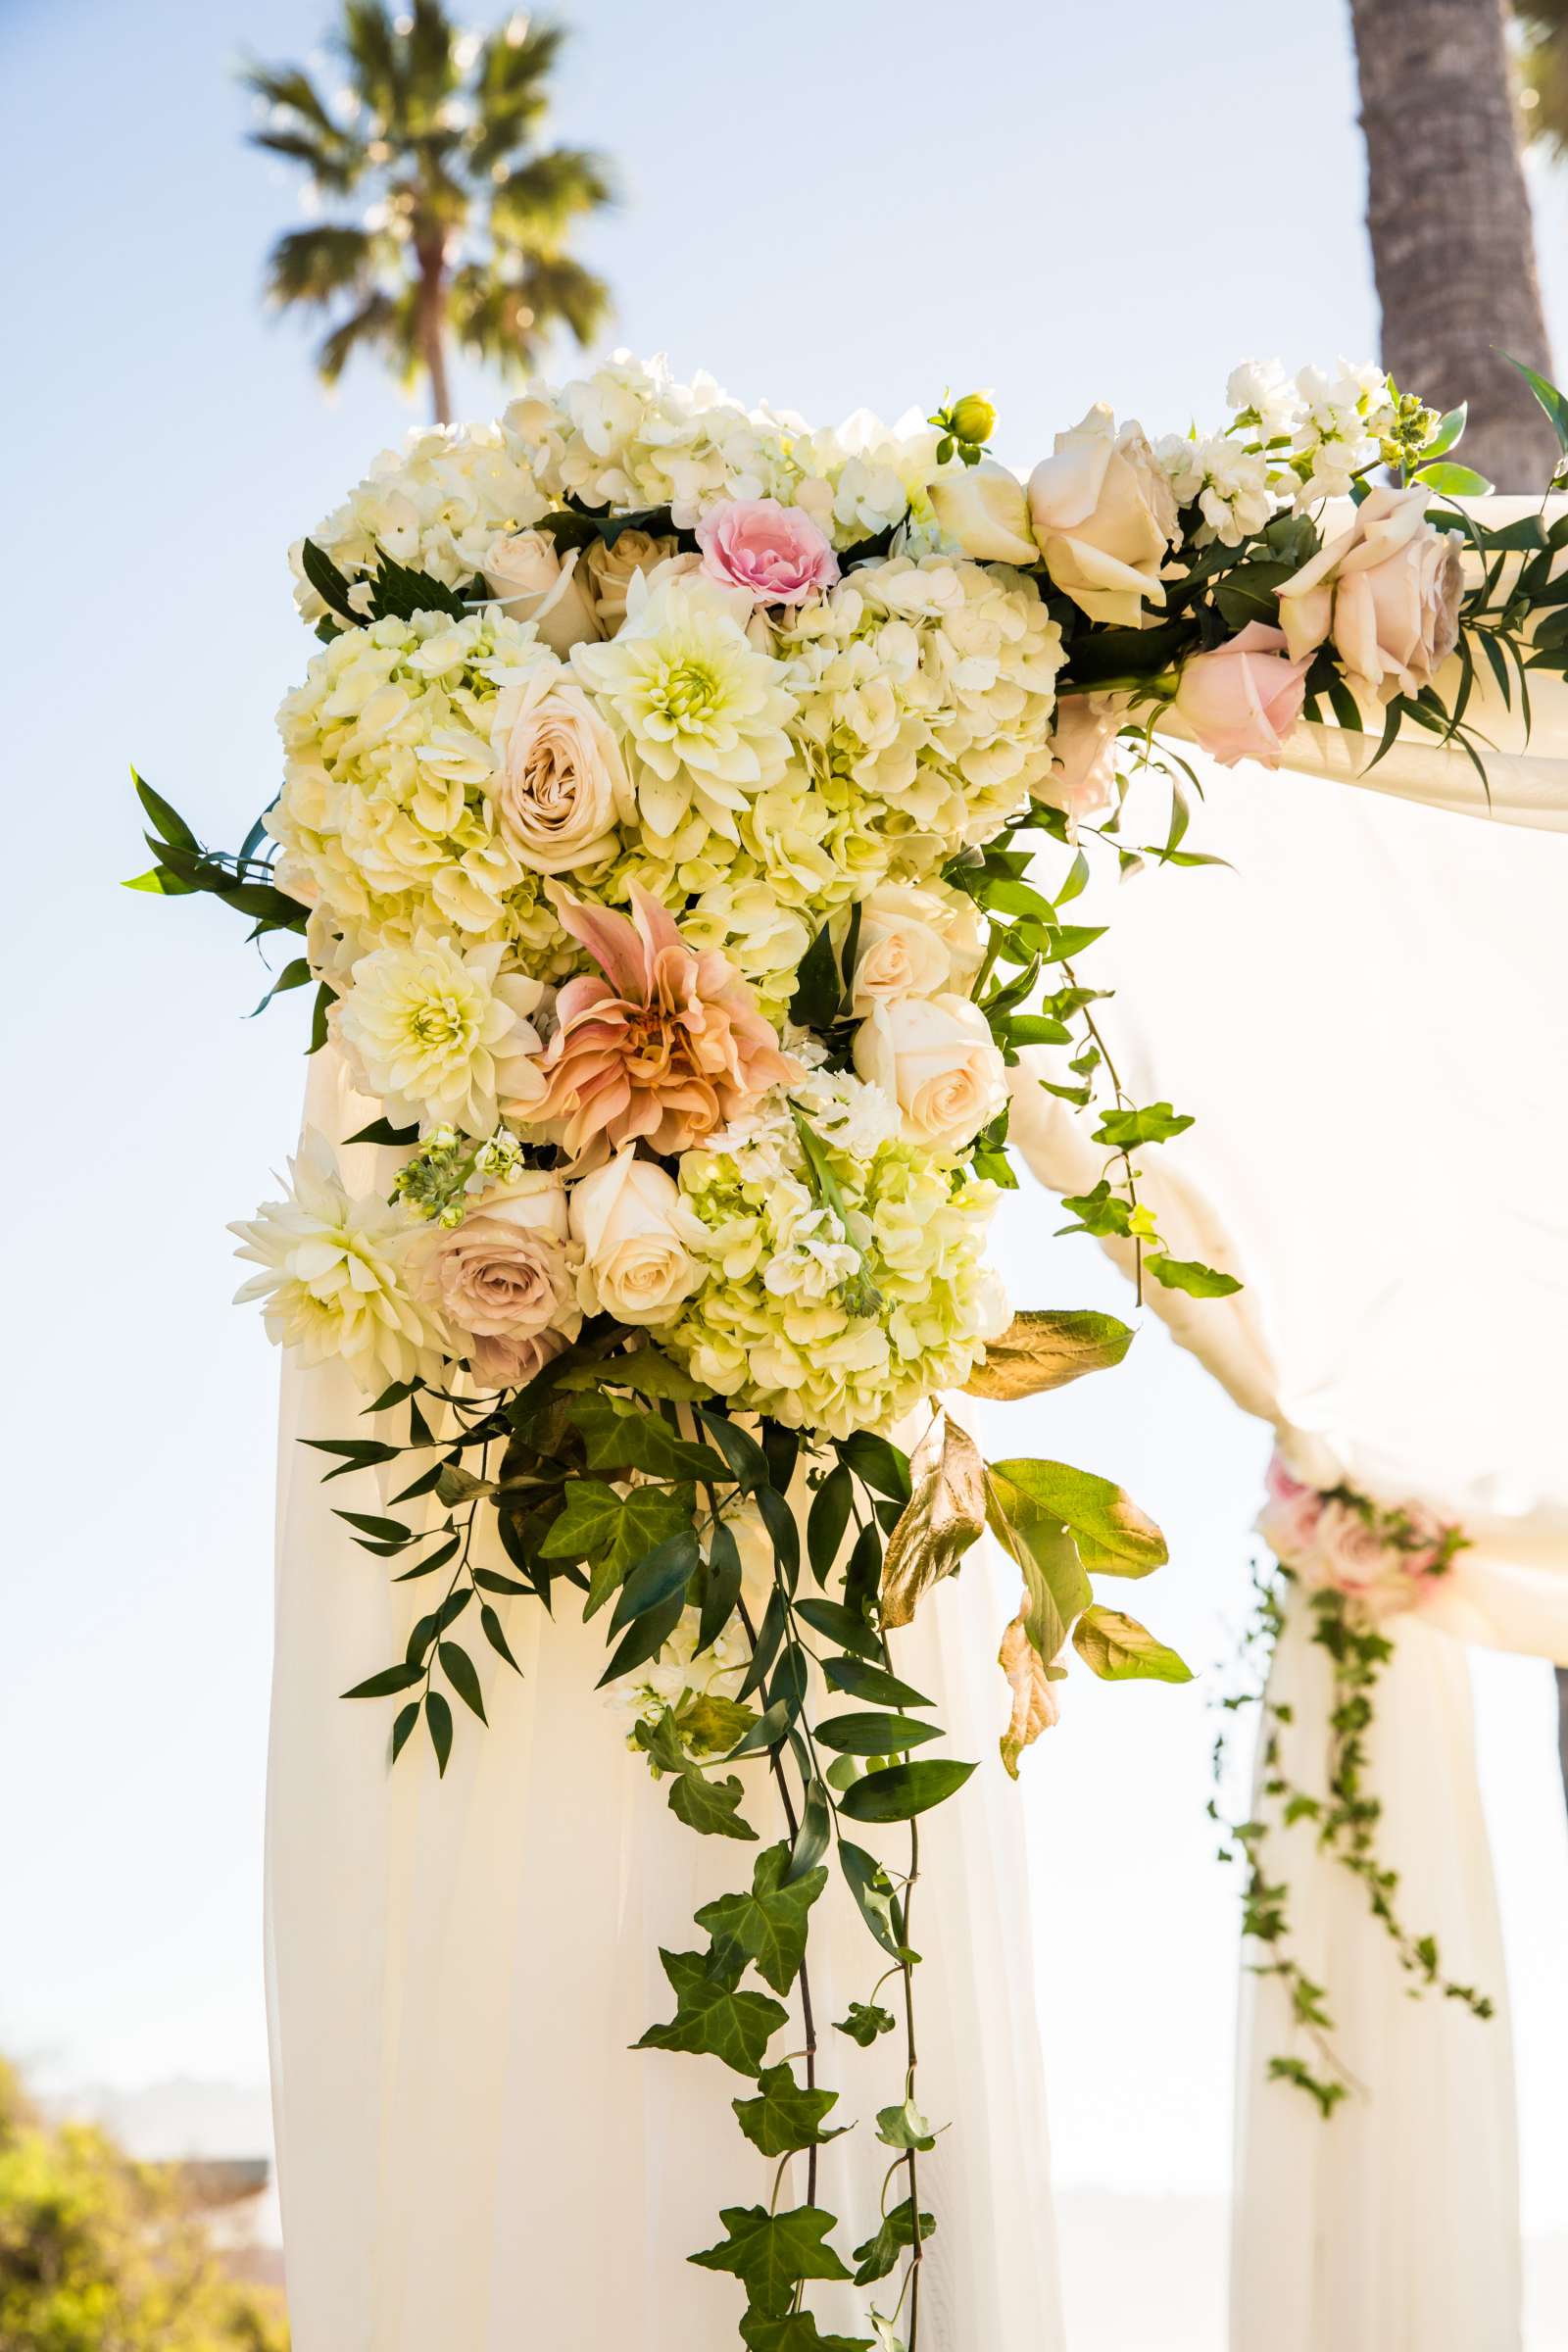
1104	516
607	572
936	1059
914	941
503	1280
527	578
563	779
985	509
634	1229
1387	591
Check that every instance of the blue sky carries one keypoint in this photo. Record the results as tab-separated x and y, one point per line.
832	206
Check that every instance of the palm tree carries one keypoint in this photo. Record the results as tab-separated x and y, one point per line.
1448	213
463	222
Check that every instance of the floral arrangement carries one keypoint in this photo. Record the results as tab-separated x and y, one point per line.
668	815
1360	1563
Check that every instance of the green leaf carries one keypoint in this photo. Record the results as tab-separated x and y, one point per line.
874	1734
386	1531
903	1790
438	1721
769	1924
1454	481
747	1461
612	1531
1248	593
646	1372
710	2017
1450	428
773	2252
861	1680
389	1681
295	974
721	1587
794	2331
811	1839
710	1724
1110	1531
875	1898
878	2255
1185	1274
645	1638
328	582
818	985
710	1807
866	2022
462	1673
904	2127
879	1464
661	1577
784	2117
1154	1123
1119	1650
1046	1347
1039	1540
495	1635
841	1625
406	1718
171	827
382	1131
624	1437
457	1485
826	1521
1551	399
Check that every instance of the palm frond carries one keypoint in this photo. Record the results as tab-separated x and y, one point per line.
561	293
370	47
290	87
509	89
505	318
534	206
372	326
314	265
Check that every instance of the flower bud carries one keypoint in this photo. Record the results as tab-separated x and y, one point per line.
974	420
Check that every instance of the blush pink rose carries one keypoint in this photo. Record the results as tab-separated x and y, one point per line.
1387	591
778	554
1083	754
1288	1521
1242	700
504	1280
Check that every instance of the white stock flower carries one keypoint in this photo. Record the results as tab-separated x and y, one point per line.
335	1275
441	1034
1338	435
1262	389
1230	485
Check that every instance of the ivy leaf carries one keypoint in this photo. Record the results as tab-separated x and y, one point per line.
711	2017
769	1924
1044	1349
946	1514
711	1725
610	1531
905	2128
794	2331
1122	1651
646	1372
624	1437
771	2253
784	2117
1187	1274
865	2021
710	1807
905	1789
879	2254
1155	1123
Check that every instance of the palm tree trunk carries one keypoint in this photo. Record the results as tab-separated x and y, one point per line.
1448	213
432	315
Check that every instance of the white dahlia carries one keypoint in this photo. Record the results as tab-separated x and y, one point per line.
441	1034
332	1280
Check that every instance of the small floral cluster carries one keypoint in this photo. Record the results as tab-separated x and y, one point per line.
1385	1560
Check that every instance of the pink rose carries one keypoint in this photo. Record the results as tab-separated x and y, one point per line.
1288	1521
1387	591
503	1280
778	554
1242	700
1083	754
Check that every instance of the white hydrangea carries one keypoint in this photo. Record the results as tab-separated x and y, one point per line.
434	505
681	1672
835	1351
386	818
1232	487
863	478
926	689
332	1281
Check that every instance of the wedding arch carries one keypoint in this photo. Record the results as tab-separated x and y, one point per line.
691	819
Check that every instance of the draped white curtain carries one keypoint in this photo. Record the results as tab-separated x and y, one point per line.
1369	1020
470	2156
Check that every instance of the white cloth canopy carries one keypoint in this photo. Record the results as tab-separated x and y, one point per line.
470	2156
1368	1018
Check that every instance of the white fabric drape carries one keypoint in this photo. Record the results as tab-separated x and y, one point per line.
1367	1018
470	2156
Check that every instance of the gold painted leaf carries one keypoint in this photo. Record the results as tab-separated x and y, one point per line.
1034	1702
1046	1347
945	1515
